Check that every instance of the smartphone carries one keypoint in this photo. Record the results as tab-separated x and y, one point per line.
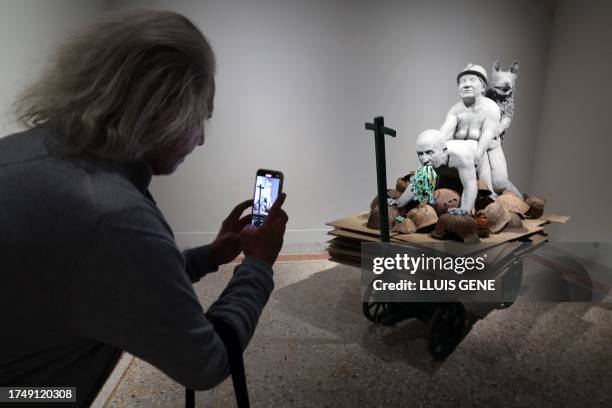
268	185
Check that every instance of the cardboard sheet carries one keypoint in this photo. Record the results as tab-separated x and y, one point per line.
536	222
345	243
344	261
462	249
339	232
561	219
357	223
344	252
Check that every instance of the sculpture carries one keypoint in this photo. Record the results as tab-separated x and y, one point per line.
433	150
463	228
501	91
445	199
497	216
469	141
478	118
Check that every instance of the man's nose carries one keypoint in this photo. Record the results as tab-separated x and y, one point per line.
201	139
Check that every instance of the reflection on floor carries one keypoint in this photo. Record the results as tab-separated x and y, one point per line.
313	347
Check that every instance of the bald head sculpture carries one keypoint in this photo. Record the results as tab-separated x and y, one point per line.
431	148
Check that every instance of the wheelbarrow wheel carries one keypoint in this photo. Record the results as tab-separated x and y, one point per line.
372	310
446	328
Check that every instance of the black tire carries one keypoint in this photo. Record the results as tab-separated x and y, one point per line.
373	311
446	328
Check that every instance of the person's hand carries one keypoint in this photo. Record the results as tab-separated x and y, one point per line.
226	247
265	242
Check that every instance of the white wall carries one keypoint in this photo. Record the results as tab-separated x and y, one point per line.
573	162
298	79
28	30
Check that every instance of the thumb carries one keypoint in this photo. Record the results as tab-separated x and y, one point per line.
248	229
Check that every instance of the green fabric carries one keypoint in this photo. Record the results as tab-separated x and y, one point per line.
424	183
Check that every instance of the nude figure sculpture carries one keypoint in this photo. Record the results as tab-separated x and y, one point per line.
433	150
477	118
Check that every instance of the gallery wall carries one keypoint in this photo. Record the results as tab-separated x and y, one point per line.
29	29
297	80
573	165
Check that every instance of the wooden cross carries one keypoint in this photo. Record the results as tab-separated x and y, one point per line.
381	172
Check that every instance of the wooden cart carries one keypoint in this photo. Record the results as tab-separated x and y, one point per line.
446	320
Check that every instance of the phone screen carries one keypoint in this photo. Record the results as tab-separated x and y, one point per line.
268	185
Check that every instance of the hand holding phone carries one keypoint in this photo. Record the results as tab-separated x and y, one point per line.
266	241
227	246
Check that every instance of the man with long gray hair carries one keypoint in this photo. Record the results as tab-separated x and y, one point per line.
89	265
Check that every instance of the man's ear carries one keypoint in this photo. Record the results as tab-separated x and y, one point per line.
496	66
514	68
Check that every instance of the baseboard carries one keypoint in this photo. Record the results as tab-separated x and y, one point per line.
113	380
302	241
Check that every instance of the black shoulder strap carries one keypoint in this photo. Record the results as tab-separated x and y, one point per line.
189	398
234	352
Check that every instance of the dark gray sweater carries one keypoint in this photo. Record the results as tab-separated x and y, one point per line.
89	267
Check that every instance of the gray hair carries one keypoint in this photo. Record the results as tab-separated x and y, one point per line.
132	84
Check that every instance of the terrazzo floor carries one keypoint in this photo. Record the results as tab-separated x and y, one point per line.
314	348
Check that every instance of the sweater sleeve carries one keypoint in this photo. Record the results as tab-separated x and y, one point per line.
198	262
246	294
131	291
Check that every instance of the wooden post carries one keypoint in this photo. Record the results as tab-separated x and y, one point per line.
381	172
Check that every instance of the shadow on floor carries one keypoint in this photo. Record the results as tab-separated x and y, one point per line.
330	300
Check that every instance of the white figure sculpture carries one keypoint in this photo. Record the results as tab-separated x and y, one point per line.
501	90
477	118
433	150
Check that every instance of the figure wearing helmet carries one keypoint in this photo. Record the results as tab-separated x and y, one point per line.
477	117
